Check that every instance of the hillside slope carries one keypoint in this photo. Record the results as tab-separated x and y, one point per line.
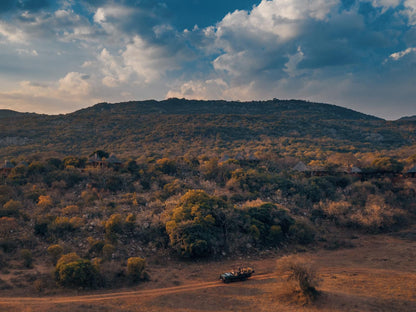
186	126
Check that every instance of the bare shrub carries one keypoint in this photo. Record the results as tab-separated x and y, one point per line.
301	277
375	215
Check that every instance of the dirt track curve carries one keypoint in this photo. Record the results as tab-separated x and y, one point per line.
124	294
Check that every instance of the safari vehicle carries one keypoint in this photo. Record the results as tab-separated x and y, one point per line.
241	274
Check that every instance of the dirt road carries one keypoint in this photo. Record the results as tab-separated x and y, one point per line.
378	274
124	294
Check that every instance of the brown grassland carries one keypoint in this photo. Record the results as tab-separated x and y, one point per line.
377	274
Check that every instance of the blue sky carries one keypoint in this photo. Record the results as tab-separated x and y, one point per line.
60	56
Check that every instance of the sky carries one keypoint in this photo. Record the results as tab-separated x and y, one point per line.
61	56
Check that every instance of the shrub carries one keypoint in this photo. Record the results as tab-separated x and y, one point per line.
113	225
27	258
108	251
387	164
41	227
61	225
254	232
197	223
11	209
89	196
45	202
166	165
96	248
55	252
71	210
78	273
72	271
76	222
6	192
302	232
275	235
301	276
8	245
135	268
130	222
67	258
267	223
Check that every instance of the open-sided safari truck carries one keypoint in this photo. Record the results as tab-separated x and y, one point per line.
241	274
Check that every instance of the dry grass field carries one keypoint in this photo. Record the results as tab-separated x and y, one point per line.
377	274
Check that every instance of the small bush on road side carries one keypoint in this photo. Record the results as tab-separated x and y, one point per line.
301	276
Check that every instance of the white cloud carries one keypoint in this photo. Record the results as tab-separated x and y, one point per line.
12	33
292	64
386	3
278	20
149	62
71	92
74	84
398	55
27	52
264	41
410	11
113	69
105	14
200	90
99	16
110	18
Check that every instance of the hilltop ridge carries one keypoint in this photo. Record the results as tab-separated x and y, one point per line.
218	107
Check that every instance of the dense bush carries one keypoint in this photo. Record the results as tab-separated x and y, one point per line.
386	164
27	258
302	232
136	268
196	225
55	252
72	271
61	226
11	209
114	226
234	206
108	251
268	224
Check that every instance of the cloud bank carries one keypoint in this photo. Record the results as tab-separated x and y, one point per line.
60	56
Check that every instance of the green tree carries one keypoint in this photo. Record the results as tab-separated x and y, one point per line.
196	224
72	271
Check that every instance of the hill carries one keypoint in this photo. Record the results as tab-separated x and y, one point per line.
408	118
207	180
197	107
179	126
7	113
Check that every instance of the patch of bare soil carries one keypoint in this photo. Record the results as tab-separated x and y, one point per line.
378	274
